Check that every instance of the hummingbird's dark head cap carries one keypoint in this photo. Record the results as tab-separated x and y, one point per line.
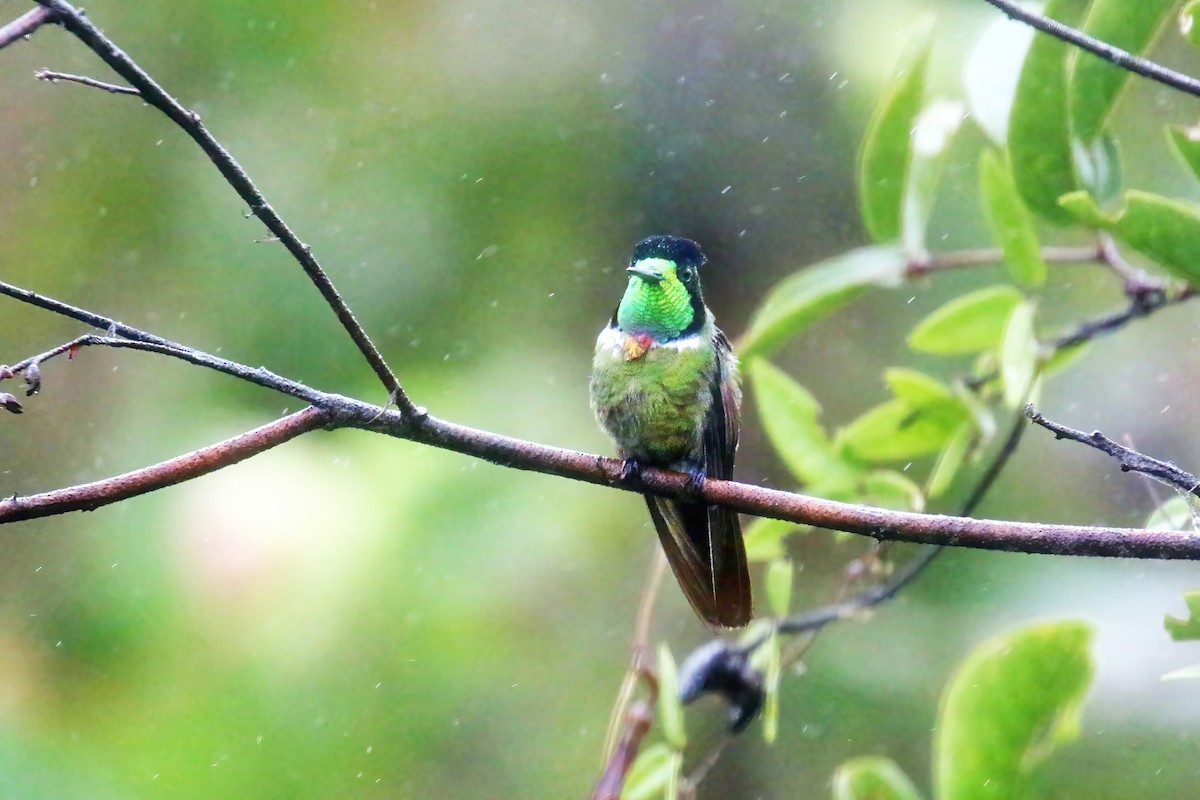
685	254
673	248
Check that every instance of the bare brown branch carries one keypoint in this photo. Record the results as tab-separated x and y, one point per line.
25	25
878	523
506	451
90	496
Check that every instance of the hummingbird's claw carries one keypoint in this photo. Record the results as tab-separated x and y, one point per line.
631	470
696	479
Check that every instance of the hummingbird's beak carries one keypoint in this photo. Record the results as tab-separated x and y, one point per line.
647	270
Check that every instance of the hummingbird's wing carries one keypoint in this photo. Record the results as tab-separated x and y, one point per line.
703	543
728	553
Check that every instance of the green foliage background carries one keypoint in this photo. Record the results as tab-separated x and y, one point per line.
353	617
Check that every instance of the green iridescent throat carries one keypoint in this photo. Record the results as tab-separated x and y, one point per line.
662	309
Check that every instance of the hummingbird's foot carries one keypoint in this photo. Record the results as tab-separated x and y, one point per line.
695	481
631	470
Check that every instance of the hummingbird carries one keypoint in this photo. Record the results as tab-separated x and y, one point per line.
665	388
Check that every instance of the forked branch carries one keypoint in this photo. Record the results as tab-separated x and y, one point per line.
74	21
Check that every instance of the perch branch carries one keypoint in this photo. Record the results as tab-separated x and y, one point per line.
880	524
75	22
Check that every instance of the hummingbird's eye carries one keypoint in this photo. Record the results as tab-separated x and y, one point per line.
686	273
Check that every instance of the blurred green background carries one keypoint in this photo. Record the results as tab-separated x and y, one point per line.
349	616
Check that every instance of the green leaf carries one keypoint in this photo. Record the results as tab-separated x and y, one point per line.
1183	674
671	790
650	773
1166	230
886	154
950	460
916	388
1187	22
771	679
1019	356
1095	83
981	412
967	324
895	431
885	488
789	416
1098	166
931	136
1186	144
1173	515
779	586
872	778
807	295
1039	129
1185	630
764	538
1012	701
670	710
1010	221
991	74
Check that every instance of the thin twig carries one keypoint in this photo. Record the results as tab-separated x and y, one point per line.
1140	305
639	649
189	121
78	314
1115	55
1137	281
258	376
55	77
637	724
24	25
987	256
1129	459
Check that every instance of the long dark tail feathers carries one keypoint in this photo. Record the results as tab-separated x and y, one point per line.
704	547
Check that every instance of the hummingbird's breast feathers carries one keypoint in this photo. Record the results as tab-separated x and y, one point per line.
652	396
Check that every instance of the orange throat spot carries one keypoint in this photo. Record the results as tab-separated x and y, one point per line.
636	345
